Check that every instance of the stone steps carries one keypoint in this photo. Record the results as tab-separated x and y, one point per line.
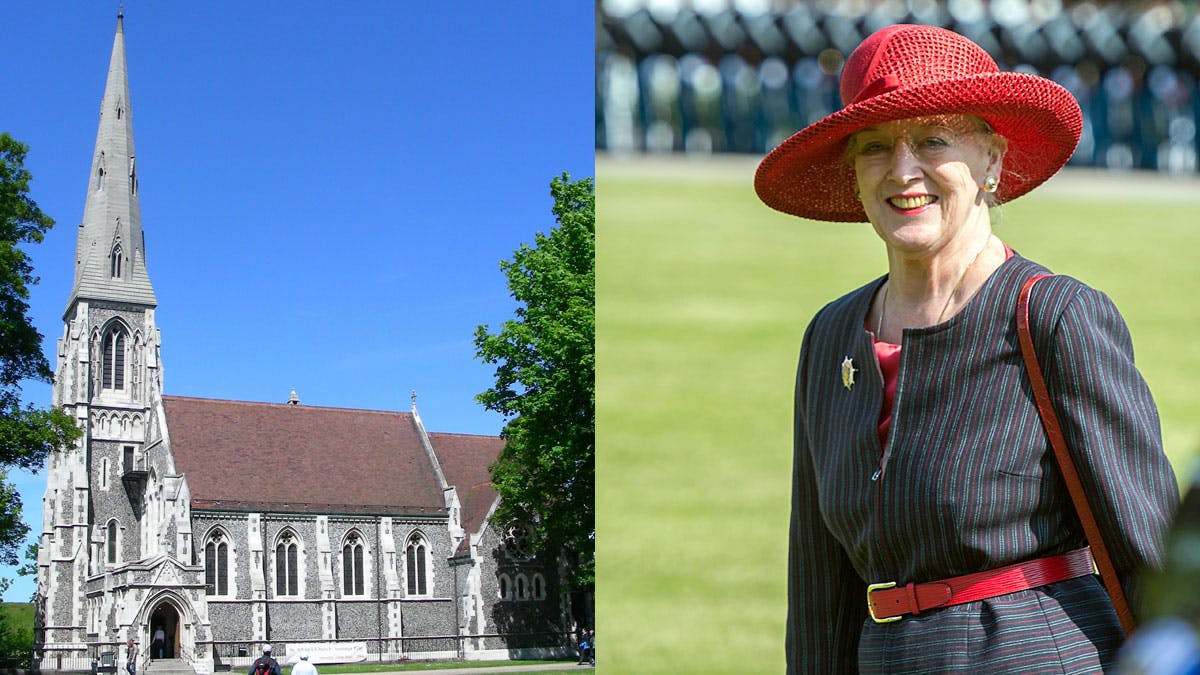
169	667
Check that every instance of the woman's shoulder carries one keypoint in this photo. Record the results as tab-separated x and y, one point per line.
1062	297
850	308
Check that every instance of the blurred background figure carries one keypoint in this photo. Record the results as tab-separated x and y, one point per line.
739	76
1168	642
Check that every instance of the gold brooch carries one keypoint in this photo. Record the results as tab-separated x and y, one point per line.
848	371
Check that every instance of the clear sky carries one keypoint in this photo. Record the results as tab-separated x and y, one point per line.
327	189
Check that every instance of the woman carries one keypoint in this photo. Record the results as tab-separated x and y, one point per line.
919	453
131	657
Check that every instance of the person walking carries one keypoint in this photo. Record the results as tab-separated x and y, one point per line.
265	664
157	642
582	644
303	667
131	657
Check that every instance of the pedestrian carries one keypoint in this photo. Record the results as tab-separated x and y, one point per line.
582	644
303	667
920	456
265	664
157	642
131	657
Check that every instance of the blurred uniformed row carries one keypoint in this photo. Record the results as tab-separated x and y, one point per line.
707	76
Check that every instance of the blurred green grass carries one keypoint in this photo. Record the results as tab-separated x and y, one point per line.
703	295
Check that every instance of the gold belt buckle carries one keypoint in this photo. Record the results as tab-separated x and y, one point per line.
871	610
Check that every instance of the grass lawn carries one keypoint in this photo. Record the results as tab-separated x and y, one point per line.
703	295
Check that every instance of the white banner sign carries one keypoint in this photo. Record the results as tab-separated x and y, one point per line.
326	652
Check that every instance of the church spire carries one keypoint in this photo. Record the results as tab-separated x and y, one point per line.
110	252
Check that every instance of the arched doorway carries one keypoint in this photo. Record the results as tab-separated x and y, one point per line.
164	632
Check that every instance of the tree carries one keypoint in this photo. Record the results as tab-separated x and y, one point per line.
545	385
27	432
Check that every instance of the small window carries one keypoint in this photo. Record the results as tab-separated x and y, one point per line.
415	554
216	565
521	587
117	262
539	587
104	474
286	563
113	370
111	542
352	566
504	590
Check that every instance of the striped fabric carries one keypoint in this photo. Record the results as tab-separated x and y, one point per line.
967	483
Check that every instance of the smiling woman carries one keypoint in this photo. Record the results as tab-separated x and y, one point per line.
921	469
925	184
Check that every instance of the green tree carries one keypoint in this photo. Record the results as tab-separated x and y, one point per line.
27	432
545	384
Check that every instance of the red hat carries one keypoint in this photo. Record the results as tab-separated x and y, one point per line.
907	71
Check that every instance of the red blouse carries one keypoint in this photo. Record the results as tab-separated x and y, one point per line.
888	355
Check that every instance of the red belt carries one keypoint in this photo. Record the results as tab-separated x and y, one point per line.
887	603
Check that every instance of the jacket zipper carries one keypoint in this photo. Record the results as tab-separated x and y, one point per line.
877	477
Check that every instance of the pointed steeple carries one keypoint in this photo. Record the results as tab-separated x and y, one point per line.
110	252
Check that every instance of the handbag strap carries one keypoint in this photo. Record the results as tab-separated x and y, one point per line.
1041	396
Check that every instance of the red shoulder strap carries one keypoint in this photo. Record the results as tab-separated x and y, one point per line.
1058	442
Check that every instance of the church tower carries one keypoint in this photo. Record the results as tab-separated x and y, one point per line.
116	513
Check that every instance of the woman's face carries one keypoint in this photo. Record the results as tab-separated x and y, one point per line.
919	179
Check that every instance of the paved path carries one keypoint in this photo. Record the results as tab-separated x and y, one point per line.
483	670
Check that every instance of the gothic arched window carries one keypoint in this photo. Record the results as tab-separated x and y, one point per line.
539	586
504	592
110	542
113	357
287	573
117	260
417	551
352	565
216	564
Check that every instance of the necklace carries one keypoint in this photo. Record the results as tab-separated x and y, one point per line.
949	299
961	277
882	311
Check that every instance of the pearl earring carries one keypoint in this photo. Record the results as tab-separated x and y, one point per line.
991	183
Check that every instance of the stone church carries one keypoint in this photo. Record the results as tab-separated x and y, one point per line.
168	514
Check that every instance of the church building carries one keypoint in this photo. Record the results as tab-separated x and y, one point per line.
169	513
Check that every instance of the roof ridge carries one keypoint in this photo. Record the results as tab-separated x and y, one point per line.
455	433
285	405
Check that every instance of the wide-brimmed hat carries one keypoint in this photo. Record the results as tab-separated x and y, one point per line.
907	71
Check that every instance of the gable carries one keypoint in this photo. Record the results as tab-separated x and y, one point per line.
465	460
244	456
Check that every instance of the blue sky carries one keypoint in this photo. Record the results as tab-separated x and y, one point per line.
327	189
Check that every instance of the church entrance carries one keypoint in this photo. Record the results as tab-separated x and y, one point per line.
164	632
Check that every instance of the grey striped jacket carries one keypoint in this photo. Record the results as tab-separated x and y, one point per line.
966	482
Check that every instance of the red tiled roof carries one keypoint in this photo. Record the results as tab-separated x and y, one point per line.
240	456
465	460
